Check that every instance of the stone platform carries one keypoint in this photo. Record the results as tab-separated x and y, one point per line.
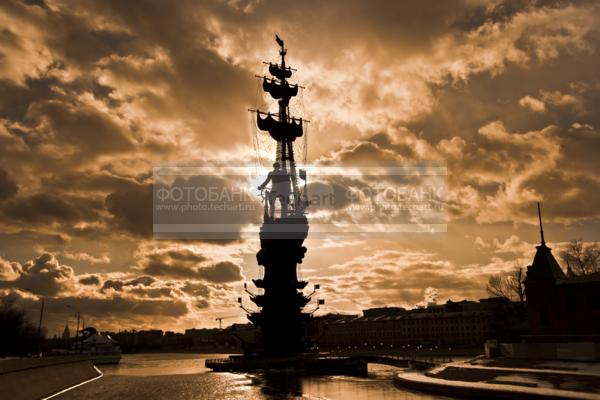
306	364
508	379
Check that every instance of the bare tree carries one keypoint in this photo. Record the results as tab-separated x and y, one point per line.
18	336
516	283
509	286
583	259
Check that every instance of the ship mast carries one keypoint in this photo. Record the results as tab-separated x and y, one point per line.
284	129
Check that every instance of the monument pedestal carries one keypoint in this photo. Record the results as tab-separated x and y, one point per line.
281	320
303	364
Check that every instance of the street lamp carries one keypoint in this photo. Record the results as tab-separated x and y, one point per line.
77	330
41	319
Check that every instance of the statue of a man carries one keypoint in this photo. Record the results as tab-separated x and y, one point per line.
280	188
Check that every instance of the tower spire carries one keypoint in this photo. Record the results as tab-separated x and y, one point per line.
541	226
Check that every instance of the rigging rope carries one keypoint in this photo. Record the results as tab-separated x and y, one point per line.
255	133
264	146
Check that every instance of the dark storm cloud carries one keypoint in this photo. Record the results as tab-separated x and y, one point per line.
196	289
44	208
143	298
91	131
93	93
194	73
141	286
174	263
141	280
377	148
365	151
93	280
497	98
43	276
568	196
490	158
153	292
30	238
236	206
327	194
379	25
201	304
113	284
171	264
422	275
160	268
222	272
112	313
8	186
400	278
185	263
15	99
70	35
122	306
118	285
202	87
131	208
186	256
89	181
580	143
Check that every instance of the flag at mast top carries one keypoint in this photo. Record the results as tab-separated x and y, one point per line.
279	40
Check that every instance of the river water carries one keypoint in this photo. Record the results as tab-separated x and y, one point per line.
183	376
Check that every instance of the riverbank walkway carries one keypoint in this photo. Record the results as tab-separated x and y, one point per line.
43	378
508	379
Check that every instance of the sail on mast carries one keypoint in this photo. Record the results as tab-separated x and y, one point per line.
282	127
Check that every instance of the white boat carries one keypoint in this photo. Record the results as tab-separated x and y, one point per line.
101	348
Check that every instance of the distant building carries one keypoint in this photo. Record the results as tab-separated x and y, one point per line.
232	337
453	323
150	338
378	312
559	303
66	335
133	340
204	337
175	340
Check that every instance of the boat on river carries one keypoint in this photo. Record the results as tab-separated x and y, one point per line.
102	349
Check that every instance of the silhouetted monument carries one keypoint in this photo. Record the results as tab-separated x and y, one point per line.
281	320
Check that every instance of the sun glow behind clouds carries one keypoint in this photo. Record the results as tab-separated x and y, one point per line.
93	94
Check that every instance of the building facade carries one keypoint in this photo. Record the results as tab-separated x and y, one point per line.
560	304
453	323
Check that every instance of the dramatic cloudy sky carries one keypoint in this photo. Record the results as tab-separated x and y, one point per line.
93	94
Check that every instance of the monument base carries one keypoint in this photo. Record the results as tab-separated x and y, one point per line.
305	364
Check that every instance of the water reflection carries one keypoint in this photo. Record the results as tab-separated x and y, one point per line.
152	364
377	385
183	376
280	384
